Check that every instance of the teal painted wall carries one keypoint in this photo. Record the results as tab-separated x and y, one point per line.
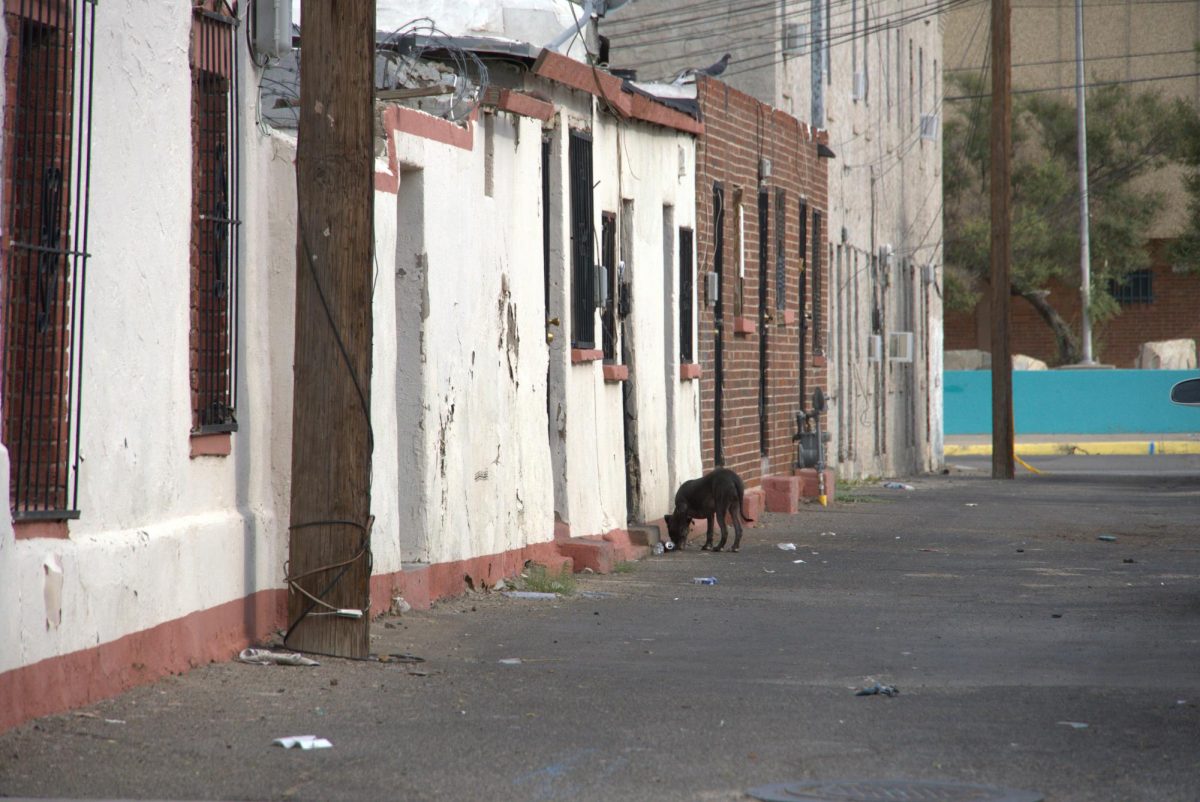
1072	402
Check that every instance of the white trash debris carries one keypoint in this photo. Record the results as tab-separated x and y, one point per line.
530	594
266	657
898	486
1075	725
510	661
304	742
787	546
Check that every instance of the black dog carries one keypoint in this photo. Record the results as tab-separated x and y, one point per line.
718	493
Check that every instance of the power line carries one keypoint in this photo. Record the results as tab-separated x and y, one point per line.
1051	62
1035	90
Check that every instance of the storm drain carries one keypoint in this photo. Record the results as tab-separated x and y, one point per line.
887	791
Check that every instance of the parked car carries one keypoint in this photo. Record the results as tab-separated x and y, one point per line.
1186	392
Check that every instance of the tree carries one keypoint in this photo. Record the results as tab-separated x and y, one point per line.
1129	135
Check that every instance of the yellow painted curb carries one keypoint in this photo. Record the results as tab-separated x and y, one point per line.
1096	448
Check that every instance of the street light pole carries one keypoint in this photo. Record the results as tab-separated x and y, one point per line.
1085	255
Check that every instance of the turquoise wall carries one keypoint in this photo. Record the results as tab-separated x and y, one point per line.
1072	402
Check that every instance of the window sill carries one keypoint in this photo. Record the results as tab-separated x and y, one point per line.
31	530
582	355
689	371
217	444
818	360
616	373
789	317
743	325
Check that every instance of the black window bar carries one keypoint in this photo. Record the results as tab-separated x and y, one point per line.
780	248
815	267
687	296
583	257
47	150
215	225
608	265
718	304
1135	288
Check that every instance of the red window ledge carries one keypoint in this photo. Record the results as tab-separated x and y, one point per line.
743	325
689	371
29	530
581	355
789	317
616	373
818	360
215	444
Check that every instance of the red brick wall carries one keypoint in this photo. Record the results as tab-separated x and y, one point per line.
1174	314
739	131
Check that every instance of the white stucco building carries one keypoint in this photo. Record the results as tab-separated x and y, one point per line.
516	414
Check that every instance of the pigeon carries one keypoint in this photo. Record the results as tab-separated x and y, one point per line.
712	70
717	68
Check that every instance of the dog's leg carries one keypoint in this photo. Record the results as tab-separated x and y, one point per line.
735	512
708	537
724	530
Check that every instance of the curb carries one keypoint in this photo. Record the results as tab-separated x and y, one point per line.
1085	447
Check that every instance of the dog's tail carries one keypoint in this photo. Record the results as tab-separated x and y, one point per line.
741	488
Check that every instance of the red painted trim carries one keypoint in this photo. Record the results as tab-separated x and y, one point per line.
399	119
789	317
526	105
818	360
652	111
80	678
689	370
743	325
29	530
580	355
616	373
577	75
216	444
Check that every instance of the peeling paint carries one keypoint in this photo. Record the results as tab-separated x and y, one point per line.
52	590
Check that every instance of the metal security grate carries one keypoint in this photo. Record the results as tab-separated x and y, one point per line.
687	295
780	248
583	257
764	276
1135	288
718	324
214	222
47	146
818	342
608	266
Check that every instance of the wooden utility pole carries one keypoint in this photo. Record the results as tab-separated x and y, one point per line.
1002	403
329	544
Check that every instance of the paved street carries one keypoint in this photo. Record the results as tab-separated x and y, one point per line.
995	609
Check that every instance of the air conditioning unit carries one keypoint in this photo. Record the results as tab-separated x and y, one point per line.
858	90
900	346
874	348
794	36
929	126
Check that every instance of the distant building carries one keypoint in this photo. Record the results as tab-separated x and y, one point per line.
878	93
1150	46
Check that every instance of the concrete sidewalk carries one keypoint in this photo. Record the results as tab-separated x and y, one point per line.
1041	445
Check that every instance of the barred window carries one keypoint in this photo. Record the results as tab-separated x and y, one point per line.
47	142
1134	288
583	257
687	295
214	252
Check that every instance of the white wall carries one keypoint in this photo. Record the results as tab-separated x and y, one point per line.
161	535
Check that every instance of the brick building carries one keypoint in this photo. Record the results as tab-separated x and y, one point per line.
1158	303
762	199
1150	46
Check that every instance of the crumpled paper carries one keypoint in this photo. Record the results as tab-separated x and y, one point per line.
266	657
305	742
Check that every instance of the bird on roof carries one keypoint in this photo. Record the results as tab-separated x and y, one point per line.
711	70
